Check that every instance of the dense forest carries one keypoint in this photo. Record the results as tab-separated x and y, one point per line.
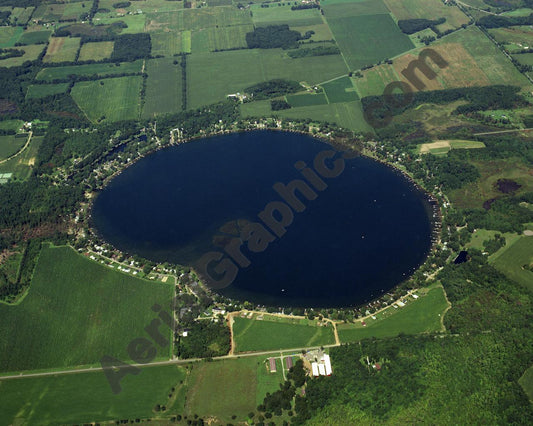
411	26
496	21
204	339
316	51
274	36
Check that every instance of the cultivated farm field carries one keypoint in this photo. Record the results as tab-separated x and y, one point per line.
96	51
516	261
76	312
36	91
257	335
163	87
418	316
62	49
111	99
87	397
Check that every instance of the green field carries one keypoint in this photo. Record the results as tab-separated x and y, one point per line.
365	40
516	261
166	43
428	9
198	19
33	37
111	99
375	80
306	99
36	91
31	53
9	36
235	70
135	23
230	387
277	14
21	15
84	398
163	87
497	68
340	90
348	115
21	165
11	124
423	315
335	9
11	144
526	381
259	335
96	51
514	38
102	70
226	38
62	49
77	311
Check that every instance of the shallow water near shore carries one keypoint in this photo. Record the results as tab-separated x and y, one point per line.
362	235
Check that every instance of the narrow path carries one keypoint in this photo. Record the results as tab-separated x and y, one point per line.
476	8
504	131
20	151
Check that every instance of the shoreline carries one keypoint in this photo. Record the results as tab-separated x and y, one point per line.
431	203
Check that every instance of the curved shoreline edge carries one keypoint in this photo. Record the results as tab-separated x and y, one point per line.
431	203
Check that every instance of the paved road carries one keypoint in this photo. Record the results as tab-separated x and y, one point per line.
159	363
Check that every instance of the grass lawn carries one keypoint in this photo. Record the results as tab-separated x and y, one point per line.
77	311
526	381
84	398
422	315
96	51
10	144
365	40
340	90
515	259
102	70
163	87
225	388
11	124
258	335
111	99
43	90
62	49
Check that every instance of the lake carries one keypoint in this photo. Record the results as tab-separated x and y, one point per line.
335	231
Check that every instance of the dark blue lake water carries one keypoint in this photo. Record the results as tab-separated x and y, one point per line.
359	237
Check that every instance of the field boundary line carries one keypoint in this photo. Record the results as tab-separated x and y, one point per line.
21	150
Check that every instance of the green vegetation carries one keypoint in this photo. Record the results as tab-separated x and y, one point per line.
516	261
204	339
100	70
163	87
9	36
44	90
31	53
129	47
526	381
35	37
315	51
269	14
340	90
10	144
272	89
422	315
366	40
87	397
62	49
236	386
96	51
66	321
111	99
257	335
306	99
443	147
